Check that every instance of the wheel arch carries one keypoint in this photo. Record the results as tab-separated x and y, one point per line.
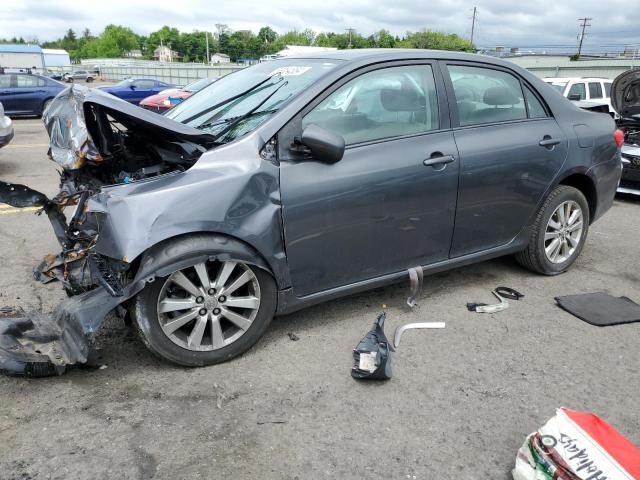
582	181
185	249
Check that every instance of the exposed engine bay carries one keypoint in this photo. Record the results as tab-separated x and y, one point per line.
98	140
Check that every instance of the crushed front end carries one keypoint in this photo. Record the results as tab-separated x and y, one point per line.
97	140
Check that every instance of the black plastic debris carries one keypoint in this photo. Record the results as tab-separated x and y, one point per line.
501	293
372	356
21	196
600	309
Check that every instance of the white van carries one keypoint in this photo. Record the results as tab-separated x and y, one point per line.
590	89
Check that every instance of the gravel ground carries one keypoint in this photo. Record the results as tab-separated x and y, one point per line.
459	405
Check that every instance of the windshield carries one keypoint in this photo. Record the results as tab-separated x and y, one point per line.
197	85
261	90
558	85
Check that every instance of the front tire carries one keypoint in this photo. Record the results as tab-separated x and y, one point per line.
89	80
559	232
205	314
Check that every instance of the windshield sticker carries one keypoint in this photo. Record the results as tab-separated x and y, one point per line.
292	71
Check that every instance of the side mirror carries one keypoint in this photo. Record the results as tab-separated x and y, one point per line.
325	146
132	87
574	97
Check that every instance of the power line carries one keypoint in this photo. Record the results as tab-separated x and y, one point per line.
584	25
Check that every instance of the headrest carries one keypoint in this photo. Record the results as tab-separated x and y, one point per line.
401	100
500	96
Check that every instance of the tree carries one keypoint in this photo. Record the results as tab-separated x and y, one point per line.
116	41
437	41
267	35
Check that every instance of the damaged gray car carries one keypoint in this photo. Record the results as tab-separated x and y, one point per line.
296	181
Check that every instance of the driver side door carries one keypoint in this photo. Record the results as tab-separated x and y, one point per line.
389	203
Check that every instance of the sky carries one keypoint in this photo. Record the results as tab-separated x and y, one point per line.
511	23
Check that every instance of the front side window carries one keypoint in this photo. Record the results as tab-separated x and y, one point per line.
484	95
577	90
5	80
595	90
385	103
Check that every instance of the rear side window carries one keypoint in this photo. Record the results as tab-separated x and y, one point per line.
595	90
26	81
577	90
144	84
385	103
607	89
484	95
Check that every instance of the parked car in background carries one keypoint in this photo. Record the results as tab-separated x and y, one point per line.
300	180
579	89
27	94
6	128
171	97
626	101
54	75
85	75
134	90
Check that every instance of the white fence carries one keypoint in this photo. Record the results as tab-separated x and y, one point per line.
177	74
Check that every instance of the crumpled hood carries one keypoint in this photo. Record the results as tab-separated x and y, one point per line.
74	132
625	93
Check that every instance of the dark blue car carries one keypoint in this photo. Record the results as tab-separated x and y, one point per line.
133	90
27	94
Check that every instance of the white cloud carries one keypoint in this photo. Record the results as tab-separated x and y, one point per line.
505	22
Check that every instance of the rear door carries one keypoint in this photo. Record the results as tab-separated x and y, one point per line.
389	204
26	94
510	150
7	92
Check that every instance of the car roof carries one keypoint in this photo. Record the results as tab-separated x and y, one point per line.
386	54
569	79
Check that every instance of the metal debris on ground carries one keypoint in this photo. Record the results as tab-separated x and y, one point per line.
410	326
577	446
416	276
372	357
501	293
293	337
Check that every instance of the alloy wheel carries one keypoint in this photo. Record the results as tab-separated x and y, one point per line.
564	232
209	305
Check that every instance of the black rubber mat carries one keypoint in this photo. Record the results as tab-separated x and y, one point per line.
601	309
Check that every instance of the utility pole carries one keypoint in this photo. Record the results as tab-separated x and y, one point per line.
473	22
584	25
206	39
350	30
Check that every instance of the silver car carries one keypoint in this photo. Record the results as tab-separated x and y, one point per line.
85	75
6	128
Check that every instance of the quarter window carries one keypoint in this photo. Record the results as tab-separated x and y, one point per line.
536	110
578	89
595	90
485	95
385	103
607	89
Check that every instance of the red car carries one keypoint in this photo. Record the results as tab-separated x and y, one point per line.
166	99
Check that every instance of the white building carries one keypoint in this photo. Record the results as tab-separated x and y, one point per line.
165	54
55	57
220	58
19	56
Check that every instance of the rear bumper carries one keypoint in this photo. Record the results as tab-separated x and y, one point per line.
630	178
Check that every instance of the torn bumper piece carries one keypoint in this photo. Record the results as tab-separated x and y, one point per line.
35	345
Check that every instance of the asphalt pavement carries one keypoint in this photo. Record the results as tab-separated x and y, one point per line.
459	405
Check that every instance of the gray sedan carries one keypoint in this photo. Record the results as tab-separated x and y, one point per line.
304	179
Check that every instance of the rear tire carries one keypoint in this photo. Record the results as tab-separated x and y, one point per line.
559	232
89	79
228	329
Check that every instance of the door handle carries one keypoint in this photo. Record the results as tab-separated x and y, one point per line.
437	159
549	142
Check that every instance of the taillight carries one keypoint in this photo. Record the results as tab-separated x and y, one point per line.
618	136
